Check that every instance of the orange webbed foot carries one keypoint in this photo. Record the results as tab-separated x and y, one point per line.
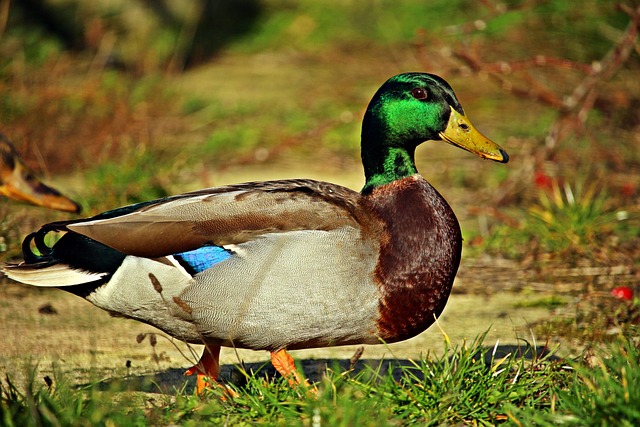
284	364
207	368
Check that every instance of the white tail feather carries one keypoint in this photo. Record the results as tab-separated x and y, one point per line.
58	275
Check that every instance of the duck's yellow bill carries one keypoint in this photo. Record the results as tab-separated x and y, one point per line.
21	184
461	133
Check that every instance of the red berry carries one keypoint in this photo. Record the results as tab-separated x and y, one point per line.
542	180
628	189
623	292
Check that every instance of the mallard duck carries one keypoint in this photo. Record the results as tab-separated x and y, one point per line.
282	265
18	182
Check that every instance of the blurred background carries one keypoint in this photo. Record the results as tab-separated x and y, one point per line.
118	101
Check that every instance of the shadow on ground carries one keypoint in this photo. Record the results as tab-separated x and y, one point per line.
173	380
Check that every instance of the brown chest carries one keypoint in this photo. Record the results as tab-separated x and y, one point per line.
418	257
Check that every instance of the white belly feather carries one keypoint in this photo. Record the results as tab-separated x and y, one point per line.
283	288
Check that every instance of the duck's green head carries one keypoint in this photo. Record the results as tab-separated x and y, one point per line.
407	110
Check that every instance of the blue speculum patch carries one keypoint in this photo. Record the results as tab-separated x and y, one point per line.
200	259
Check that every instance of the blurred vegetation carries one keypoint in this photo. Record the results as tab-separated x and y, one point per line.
123	101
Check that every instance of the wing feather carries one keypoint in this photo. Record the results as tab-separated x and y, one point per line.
222	216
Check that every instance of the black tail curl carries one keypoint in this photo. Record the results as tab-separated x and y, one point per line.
37	239
77	251
29	255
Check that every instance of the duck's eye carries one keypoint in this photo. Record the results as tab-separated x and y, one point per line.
419	93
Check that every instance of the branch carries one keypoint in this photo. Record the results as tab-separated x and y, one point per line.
581	100
611	63
573	107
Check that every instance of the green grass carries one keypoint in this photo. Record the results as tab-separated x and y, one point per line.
606	393
571	221
128	180
466	385
571	217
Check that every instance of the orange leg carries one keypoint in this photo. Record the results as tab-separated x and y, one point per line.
283	362
207	368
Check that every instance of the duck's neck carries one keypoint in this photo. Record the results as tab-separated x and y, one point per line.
386	165
386	156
